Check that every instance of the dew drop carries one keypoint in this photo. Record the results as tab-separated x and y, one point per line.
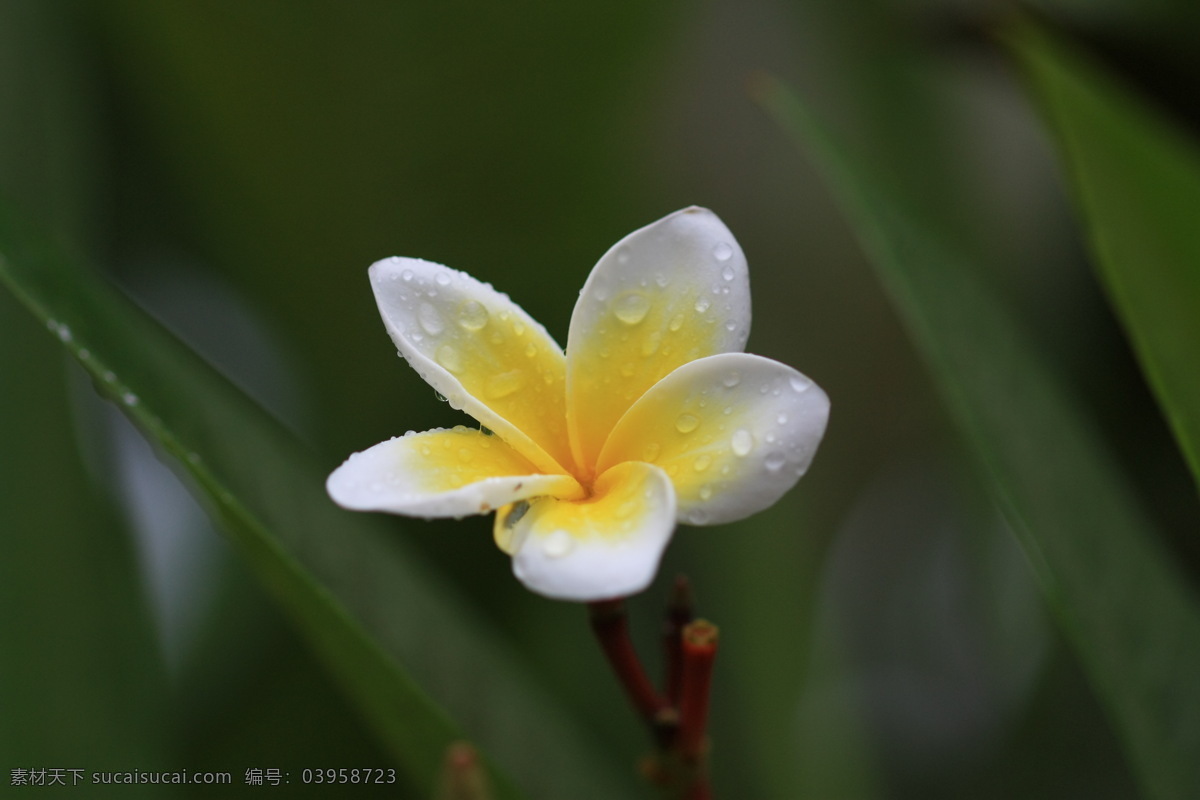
703	305
627	369
129	399
727	273
651	452
531	350
774	461
697	516
622	256
799	384
676	323
448	356
782	419
519	328
742	442
430	320
442	279
722	252
705	492
661	280
702	462
651	343
686	423
407	275
558	544
732	379
730	326
472	316
504	384
631	307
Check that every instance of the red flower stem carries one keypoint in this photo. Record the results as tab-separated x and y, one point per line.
610	623
699	650
679	613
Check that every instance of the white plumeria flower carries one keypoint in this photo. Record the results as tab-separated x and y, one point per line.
653	415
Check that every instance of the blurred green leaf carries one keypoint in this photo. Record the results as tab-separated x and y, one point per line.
1136	181
400	644
82	683
1119	599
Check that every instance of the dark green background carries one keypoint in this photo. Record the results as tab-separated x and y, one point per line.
235	166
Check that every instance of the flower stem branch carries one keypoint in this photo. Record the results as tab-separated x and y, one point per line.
678	718
610	623
679	613
699	641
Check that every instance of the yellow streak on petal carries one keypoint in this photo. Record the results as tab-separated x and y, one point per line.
621	500
445	460
640	335
732	432
513	368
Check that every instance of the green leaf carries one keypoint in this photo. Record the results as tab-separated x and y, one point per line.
1136	181
1121	602
401	644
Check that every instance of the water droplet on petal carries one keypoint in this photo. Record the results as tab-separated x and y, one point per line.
443	279
519	328
530	350
622	256
631	307
697	516
676	323
727	273
722	252
651	343
702	462
558	544
472	316
651	452
430	319
774	461
661	280
782	419
504	384
686	423
799	384
705	492
732	379
703	305
407	275
448	356
742	442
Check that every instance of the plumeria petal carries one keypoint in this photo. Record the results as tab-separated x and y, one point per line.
606	546
481	351
442	473
664	295
732	431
